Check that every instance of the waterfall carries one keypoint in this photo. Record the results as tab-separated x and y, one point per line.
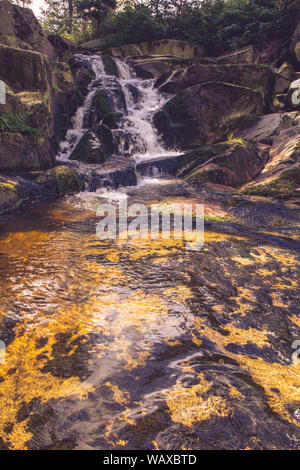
136	136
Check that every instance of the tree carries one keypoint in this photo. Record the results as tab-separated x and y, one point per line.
97	10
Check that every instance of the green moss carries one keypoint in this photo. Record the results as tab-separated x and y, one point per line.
56	88
237	141
283	187
68	181
17	123
8	186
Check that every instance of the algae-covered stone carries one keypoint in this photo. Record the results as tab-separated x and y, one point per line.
8	195
295	46
109	98
68	181
283	78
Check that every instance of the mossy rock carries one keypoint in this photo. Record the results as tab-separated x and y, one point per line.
68	181
17	153
101	103
95	146
9	199
110	66
111	120
282	187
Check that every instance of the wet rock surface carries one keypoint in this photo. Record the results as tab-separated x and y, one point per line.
200	114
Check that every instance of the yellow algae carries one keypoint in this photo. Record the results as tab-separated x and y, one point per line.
265	272
179	292
273	377
221	309
190	405
295	319
277	301
173	343
113	257
156	446
234	392
243	261
120	396
22	355
235	335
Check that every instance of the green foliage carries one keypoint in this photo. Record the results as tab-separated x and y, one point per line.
17	123
219	25
134	24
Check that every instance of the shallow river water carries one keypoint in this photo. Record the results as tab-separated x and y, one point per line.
145	345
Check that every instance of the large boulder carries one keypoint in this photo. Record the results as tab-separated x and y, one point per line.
41	98
109	98
95	146
295	46
242	56
280	177
20	28
37	185
163	47
26	131
283	78
262	129
62	46
23	70
257	77
236	165
201	114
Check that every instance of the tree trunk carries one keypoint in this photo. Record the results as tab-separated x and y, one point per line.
71	13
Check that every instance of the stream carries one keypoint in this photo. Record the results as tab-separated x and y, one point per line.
143	344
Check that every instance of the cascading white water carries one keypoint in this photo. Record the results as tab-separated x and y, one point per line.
137	135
